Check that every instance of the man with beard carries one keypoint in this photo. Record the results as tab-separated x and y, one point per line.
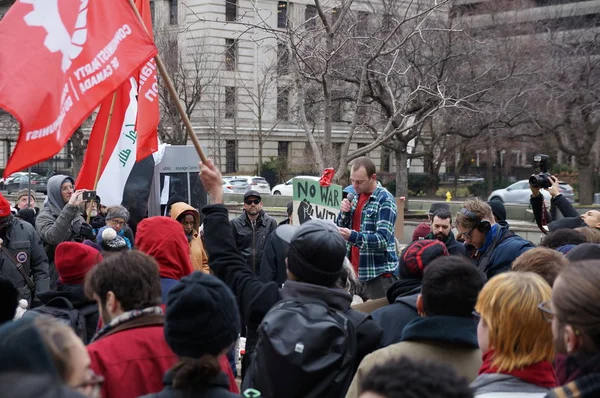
251	230
574	311
441	229
22	257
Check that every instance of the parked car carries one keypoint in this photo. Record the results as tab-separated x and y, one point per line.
256	183
10	178
287	188
38	183
233	185
519	192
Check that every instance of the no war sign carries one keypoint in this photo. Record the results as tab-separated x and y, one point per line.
311	200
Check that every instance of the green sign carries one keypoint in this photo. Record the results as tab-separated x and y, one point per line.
311	200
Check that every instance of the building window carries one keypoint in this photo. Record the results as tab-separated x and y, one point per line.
283	59
283	95
282	10
230	10
362	23
231	51
310	16
229	102
230	155
282	149
173	12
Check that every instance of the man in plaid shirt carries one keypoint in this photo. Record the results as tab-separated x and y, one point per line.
367	223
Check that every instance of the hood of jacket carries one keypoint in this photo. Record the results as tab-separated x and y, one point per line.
74	293
488	383
403	288
338	299
54	194
177	209
23	350
443	329
163	238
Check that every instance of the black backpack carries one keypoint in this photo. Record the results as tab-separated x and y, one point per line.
62	309
304	349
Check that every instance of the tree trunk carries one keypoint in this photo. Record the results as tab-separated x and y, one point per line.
401	173
260	146
490	168
586	180
77	151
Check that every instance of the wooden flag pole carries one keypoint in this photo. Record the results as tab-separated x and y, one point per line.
173	93
99	169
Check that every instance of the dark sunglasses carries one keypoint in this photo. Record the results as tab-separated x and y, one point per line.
252	201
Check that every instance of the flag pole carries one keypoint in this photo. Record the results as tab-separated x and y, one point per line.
173	92
99	169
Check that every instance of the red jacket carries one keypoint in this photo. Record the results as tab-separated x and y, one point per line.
133	361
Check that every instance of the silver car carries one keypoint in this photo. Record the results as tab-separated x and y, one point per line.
520	193
237	185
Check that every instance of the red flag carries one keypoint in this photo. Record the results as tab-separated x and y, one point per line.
148	112
59	59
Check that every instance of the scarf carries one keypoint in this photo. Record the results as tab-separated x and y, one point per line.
572	367
126	317
540	374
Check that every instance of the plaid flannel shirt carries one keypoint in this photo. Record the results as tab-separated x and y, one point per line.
375	240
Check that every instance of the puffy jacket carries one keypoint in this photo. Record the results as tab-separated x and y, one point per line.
24	244
197	253
250	239
163	238
57	222
501	248
256	298
498	385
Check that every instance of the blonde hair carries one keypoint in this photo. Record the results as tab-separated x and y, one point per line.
592	235
517	330
482	210
59	339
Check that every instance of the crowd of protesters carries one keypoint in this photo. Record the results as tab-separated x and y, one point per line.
468	309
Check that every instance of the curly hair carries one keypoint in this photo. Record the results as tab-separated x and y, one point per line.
407	378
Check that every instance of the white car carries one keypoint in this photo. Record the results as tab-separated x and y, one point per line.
287	188
519	192
257	183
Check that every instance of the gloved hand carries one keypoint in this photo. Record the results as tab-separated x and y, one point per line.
87	231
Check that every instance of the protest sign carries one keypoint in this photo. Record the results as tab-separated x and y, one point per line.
311	200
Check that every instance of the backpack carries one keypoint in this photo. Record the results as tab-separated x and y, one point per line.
304	349
62	309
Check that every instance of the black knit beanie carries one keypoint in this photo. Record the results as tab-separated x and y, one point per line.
202	316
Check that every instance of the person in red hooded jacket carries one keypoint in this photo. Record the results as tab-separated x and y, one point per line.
164	239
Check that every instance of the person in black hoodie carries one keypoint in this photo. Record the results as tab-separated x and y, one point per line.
547	222
73	261
272	263
402	295
256	298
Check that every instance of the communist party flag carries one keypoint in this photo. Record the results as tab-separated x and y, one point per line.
58	60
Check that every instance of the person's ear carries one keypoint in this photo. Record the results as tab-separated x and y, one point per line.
112	304
420	305
573	339
598	225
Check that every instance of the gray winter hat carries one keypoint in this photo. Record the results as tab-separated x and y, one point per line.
117	212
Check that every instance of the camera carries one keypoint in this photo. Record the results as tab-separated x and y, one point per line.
541	180
89	195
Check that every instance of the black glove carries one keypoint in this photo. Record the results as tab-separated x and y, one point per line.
86	231
27	214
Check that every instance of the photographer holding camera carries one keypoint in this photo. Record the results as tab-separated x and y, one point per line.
544	219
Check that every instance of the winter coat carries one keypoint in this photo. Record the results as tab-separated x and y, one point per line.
452	245
571	217
76	296
218	387
256	298
133	357
272	265
250	240
198	255
125	233
394	317
445	339
502	247
57	222
164	239
498	385
24	244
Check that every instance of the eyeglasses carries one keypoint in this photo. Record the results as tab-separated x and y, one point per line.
252	201
546	310
67	188
469	233
116	223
